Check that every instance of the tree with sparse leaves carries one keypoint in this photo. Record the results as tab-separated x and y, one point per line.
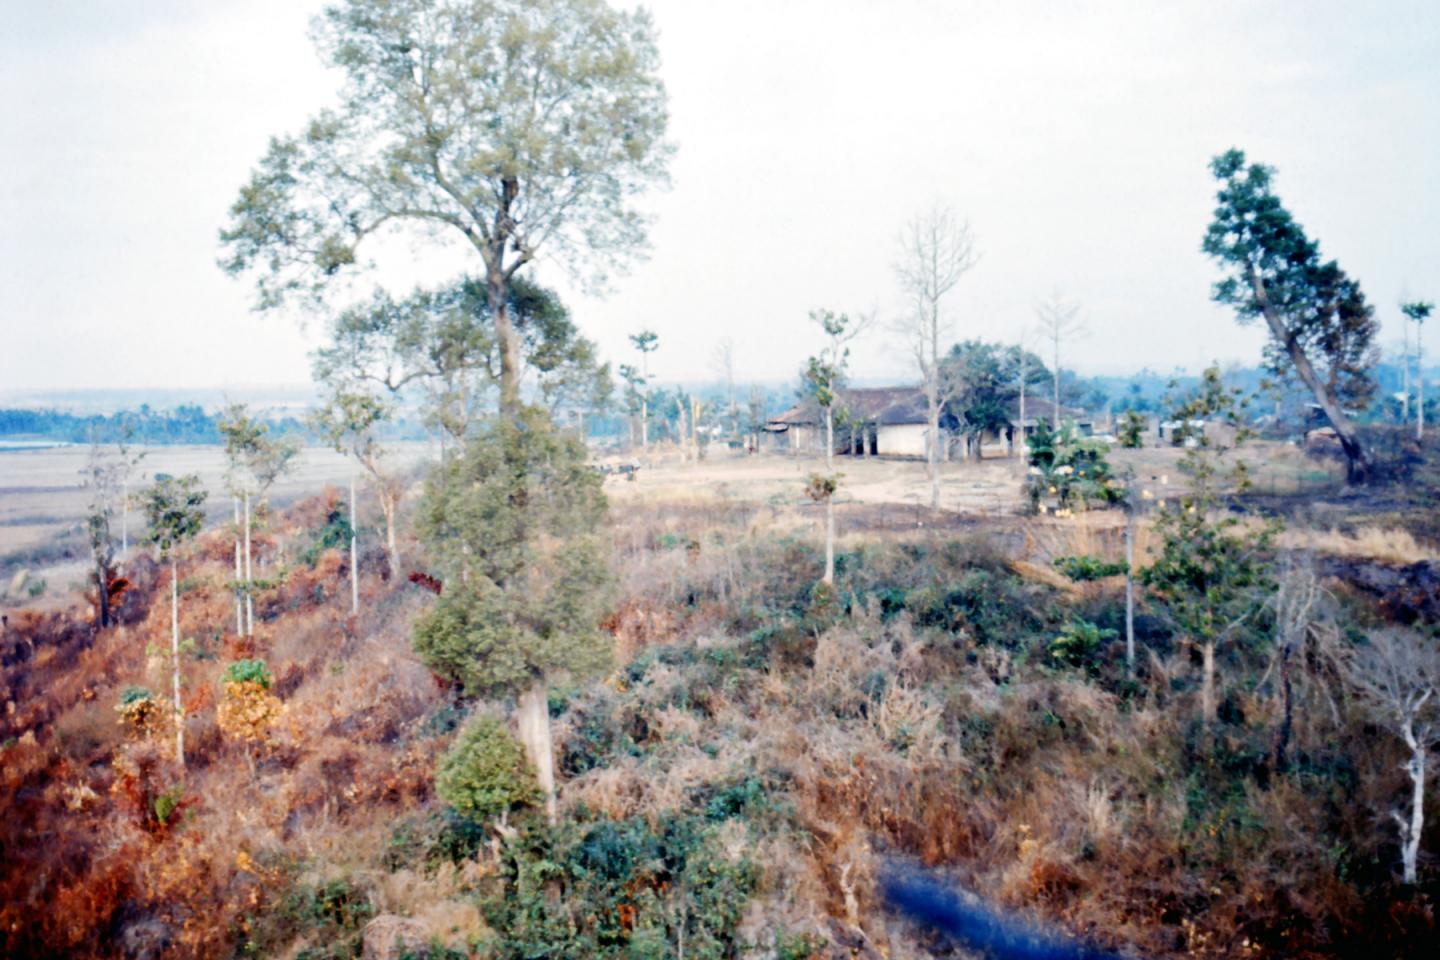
1213	576
174	516
1417	312
823	376
1321	328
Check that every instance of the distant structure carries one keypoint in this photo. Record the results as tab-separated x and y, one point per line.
891	422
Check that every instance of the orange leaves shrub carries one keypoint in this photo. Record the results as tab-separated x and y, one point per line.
248	711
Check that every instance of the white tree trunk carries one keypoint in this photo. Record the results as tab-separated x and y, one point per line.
354	555
239	575
830	500
1410	832
175	661
532	716
249	576
932	452
1419	385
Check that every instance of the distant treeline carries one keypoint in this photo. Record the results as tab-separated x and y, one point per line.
187	423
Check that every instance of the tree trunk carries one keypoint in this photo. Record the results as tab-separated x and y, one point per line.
1207	683
1024	451
1130	587
829	577
239	575
102	593
1056	412
354	555
497	296
1287	715
1410	833
249	576
1358	464
644	424
933	451
1419	385
390	506
175	661
533	719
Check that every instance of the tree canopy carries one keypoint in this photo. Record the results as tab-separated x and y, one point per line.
515	126
1321	328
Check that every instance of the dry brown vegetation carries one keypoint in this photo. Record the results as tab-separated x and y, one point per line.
916	716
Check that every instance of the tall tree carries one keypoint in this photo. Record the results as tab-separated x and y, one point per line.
1059	320
1418	311
1316	315
174	516
513	524
823	376
723	363
647	342
935	252
514	125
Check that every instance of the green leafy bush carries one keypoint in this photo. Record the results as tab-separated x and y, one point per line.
248	671
1085	567
1078	641
484	774
1070	469
132	695
333	534
1132	430
632	889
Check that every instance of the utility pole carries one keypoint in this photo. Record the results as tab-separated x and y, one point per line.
1130	574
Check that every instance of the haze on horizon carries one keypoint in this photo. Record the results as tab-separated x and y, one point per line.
1075	138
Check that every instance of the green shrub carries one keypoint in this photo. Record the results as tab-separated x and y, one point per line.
632	889
1078	641
334	534
248	671
1132	430
134	695
1085	567
484	774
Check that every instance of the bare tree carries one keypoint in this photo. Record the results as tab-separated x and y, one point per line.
1399	673
1418	311
723	363
935	251
1059	320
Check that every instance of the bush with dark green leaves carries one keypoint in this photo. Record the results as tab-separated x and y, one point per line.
620	888
1085	567
485	774
248	671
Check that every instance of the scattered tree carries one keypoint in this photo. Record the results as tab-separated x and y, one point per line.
823	376
1398	671
1213	577
647	342
256	461
936	251
1315	314
1418	311
1059	320
348	422
174	516
104	475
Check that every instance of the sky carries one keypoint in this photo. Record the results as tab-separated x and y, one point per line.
1074	138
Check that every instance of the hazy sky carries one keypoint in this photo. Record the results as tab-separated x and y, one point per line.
1074	137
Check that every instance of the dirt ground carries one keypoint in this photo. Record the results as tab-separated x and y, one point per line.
990	487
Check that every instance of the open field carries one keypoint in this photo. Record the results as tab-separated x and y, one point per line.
43	501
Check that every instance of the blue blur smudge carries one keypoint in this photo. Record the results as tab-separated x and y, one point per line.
977	925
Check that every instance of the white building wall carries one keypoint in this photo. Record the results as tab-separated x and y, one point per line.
901	440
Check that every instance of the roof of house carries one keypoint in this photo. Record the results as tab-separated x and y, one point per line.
895	406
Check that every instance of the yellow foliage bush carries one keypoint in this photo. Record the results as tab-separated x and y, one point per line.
248	711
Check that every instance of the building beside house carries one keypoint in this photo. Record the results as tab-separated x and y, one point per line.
894	422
